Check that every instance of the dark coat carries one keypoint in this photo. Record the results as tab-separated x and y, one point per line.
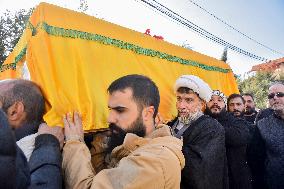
23	179
13	163
237	137
25	130
205	155
263	114
267	153
45	163
43	169
7	154
250	118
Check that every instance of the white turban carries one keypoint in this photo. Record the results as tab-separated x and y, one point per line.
196	84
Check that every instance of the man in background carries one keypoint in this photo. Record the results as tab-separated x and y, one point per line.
267	148
236	135
236	105
203	137
250	112
23	104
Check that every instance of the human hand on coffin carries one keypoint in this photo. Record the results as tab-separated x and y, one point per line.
73	129
55	131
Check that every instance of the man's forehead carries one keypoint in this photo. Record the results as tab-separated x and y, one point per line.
120	97
237	99
189	94
247	97
216	97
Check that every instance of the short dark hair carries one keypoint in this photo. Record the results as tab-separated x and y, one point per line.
144	90
234	95
30	95
248	94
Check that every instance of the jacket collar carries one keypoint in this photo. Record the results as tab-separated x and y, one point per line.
132	141
26	130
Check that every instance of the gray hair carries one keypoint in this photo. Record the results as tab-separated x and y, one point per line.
278	82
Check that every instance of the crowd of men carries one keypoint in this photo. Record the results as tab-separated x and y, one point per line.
214	142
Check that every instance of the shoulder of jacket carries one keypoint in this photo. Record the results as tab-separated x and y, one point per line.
266	121
209	124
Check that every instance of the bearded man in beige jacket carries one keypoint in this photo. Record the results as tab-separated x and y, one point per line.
142	155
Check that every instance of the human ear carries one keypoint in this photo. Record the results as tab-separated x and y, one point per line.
203	105
16	111
148	113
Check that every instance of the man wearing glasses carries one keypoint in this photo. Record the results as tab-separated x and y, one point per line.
267	148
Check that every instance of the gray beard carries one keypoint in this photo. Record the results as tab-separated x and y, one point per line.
279	112
190	118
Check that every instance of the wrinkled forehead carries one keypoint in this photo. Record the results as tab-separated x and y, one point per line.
276	88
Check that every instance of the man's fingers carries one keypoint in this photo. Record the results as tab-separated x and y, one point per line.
77	120
69	119
66	124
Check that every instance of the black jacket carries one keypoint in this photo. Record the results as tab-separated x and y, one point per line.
7	154
237	138
23	172
205	155
43	169
263	114
45	163
250	118
267	153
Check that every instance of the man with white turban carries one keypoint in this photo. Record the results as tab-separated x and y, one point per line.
203	137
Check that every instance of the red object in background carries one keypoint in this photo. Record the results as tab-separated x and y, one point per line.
147	32
269	66
158	37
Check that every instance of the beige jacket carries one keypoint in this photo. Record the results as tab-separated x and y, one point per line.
153	162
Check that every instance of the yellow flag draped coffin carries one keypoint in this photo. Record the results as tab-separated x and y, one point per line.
74	57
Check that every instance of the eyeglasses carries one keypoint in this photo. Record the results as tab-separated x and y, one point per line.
279	94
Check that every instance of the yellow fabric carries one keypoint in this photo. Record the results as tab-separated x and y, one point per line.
74	73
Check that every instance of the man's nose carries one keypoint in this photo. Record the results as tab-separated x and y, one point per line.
182	104
111	117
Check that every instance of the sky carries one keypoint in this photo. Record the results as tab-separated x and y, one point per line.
261	20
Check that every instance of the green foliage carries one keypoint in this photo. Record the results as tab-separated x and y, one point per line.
11	28
258	86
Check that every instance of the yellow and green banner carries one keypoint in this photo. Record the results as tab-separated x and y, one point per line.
74	57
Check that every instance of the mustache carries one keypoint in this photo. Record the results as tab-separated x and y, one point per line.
182	111
237	111
116	138
215	106
115	129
